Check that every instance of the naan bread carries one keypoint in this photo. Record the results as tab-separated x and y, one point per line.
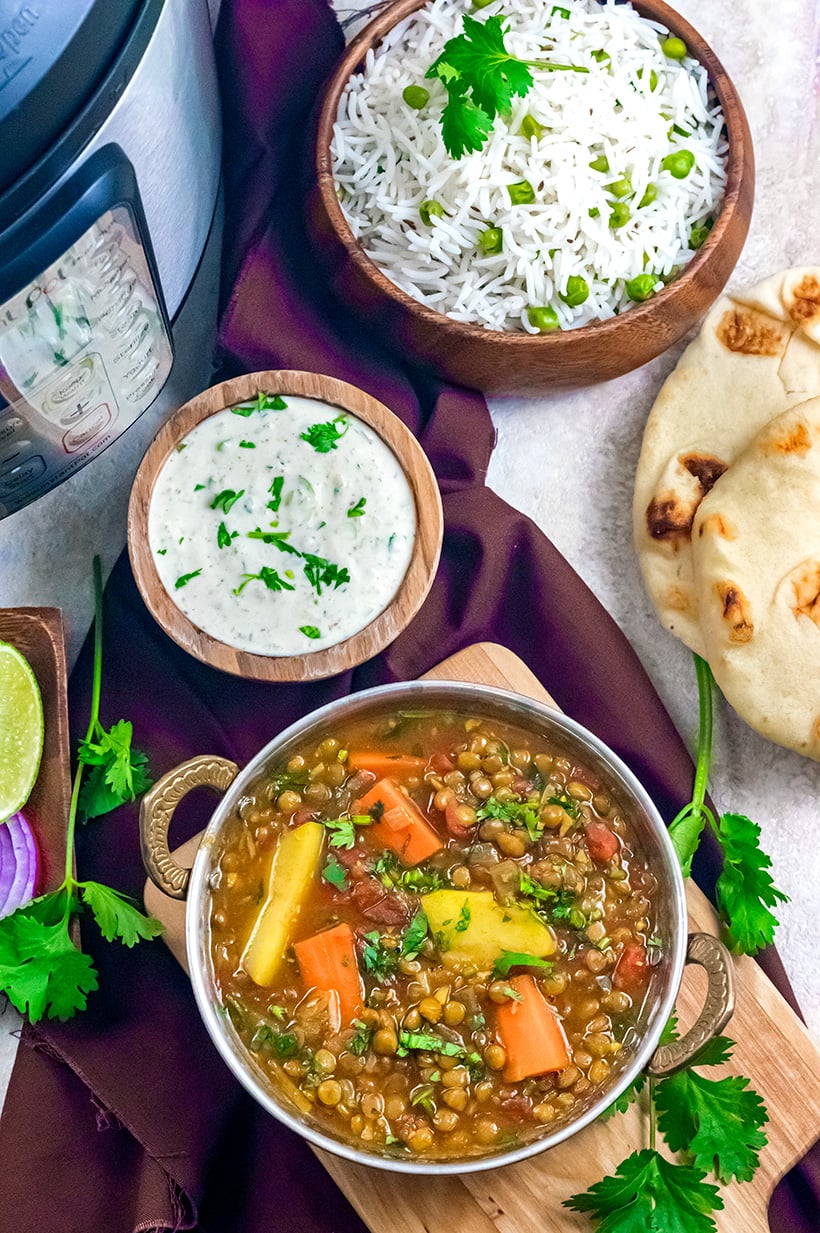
756	557
757	354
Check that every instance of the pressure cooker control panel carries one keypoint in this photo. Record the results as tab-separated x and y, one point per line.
84	350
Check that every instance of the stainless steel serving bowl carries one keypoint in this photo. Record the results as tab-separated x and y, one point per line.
493	704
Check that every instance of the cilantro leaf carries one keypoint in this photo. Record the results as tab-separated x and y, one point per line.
325	437
271	578
517	959
484	65
716	1122
377	959
427	1042
463	922
310	631
357	510
343	830
41	969
481	79
360	1041
334	874
321	572
262	402
745	890
519	813
118	774
184	579
685	831
226	499
650	1195
117	917
279	539
464	126
627	1097
224	536
414	936
275	491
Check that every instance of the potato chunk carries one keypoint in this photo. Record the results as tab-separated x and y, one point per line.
293	868
472	927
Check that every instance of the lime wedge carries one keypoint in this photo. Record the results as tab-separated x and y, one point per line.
21	730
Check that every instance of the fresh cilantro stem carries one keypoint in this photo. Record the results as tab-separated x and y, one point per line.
653	1116
744	892
705	723
93	724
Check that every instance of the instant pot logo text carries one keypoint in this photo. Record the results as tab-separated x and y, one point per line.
12	45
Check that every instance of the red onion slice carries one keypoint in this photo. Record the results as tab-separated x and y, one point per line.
19	863
8	865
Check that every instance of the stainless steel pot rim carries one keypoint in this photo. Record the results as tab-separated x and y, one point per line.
471	696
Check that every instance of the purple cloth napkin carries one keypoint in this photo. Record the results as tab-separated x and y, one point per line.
125	1120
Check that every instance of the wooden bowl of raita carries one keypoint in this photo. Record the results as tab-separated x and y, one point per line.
284	526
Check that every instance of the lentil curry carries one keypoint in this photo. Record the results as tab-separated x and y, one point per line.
433	932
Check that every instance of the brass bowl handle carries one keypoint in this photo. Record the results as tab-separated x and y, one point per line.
708	953
157	810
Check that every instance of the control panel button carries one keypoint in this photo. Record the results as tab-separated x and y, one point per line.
92	425
22	473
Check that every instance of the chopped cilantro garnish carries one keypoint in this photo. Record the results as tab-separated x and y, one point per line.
184	579
519	813
247	445
343	830
360	1041
428	1042
310	631
377	959
334	874
226	499
464	918
320	572
414	936
262	402
357	510
275	491
325	437
517	959
279	539
224	536
272	580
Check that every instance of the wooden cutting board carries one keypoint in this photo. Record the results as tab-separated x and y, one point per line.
38	634
773	1050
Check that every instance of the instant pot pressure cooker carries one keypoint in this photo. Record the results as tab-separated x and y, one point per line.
110	148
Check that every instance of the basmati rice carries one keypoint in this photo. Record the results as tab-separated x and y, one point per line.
634	108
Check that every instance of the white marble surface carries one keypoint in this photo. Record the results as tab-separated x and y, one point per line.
568	461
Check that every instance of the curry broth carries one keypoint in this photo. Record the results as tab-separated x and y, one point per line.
427	1064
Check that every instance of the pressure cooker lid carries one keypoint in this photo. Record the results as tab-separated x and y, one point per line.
52	57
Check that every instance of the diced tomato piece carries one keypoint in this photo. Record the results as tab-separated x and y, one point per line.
602	843
632	969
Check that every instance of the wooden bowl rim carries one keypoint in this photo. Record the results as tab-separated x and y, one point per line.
738	164
366	642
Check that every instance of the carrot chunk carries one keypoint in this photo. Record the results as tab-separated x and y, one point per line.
401	826
385	764
531	1033
327	962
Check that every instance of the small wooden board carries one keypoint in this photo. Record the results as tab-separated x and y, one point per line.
773	1050
38	634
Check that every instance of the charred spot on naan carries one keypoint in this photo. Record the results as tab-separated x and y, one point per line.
716	524
747	332
677	599
670	516
736	611
796	440
803	300
805	583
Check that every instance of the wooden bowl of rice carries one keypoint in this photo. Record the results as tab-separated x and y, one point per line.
512	361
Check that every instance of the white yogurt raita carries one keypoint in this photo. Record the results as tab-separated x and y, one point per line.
282	526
